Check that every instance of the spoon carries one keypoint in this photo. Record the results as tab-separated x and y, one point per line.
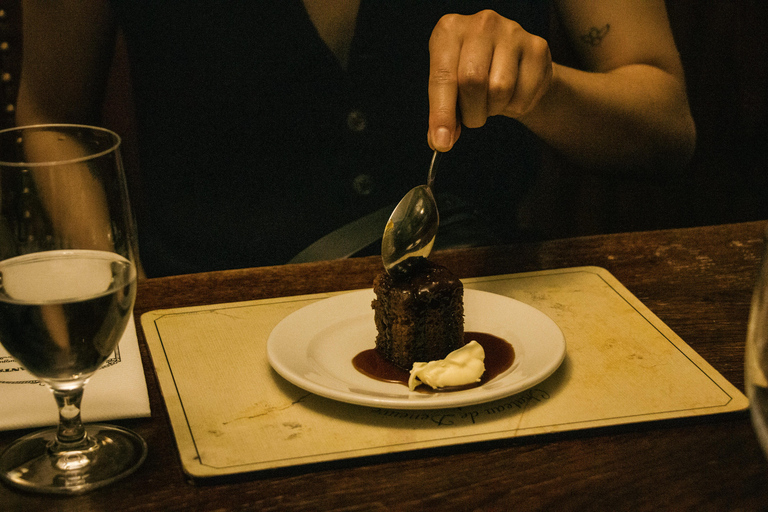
411	229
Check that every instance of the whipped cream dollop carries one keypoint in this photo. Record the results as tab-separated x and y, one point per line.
462	366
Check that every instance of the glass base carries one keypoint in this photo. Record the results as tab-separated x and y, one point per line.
111	454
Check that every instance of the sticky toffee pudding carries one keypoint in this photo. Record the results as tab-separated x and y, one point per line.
419	314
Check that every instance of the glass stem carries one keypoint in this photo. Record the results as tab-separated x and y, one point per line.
71	430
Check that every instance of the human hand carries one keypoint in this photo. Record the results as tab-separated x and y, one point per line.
485	65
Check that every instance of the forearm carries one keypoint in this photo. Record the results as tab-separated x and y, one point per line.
634	118
68	46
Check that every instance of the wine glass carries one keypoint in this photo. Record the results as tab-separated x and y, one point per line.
67	289
756	360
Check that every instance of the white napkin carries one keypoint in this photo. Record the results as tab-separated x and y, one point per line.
117	390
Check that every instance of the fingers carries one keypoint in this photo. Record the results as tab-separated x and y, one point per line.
444	125
534	74
480	66
502	79
472	81
520	72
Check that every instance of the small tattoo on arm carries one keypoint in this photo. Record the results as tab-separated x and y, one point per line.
595	35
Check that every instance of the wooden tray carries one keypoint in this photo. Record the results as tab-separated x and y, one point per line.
231	413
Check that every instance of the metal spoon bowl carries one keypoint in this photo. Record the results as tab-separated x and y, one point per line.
412	227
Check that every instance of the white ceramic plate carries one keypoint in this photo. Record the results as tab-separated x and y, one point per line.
314	346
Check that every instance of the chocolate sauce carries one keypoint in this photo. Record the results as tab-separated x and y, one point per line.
499	356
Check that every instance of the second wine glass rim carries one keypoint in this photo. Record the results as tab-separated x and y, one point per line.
52	126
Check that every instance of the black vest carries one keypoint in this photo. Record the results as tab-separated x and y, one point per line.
254	142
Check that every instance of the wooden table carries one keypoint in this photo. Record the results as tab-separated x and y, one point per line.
698	281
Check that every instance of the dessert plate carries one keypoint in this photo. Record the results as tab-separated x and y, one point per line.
313	348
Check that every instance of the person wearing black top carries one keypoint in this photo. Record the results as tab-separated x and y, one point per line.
264	126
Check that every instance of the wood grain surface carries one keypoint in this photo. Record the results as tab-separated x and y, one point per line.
698	281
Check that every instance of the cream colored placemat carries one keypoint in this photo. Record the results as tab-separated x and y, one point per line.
231	413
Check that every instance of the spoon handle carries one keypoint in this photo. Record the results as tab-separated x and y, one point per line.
433	168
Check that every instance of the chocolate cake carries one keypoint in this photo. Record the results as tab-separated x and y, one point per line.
419	315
